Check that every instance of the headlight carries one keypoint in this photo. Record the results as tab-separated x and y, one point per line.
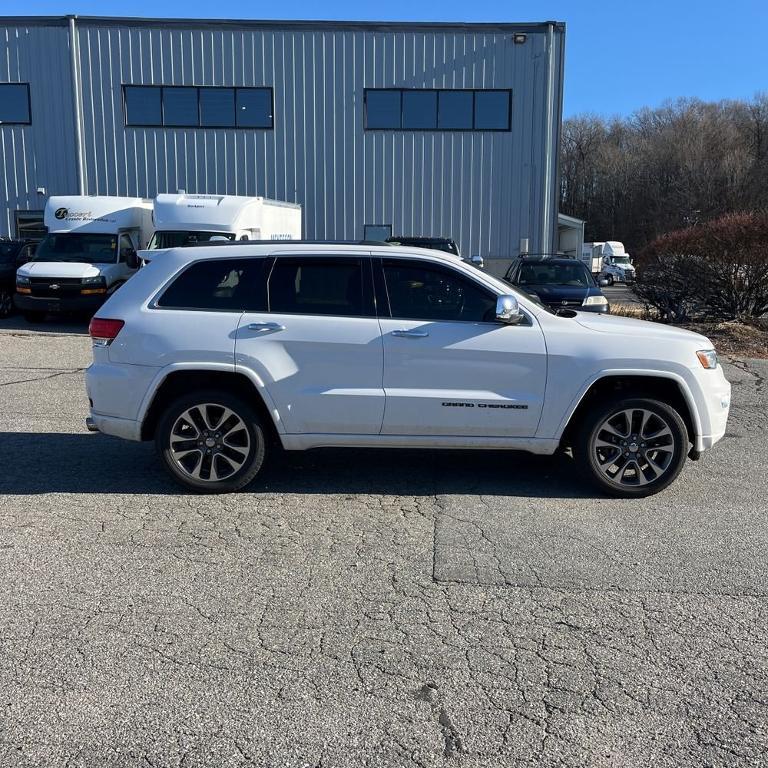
96	279
707	357
594	301
22	280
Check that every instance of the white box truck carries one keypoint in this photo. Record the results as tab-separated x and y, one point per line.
89	252
182	219
609	260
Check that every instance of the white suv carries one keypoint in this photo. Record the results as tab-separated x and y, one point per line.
217	353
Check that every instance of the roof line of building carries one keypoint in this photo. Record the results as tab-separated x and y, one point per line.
387	26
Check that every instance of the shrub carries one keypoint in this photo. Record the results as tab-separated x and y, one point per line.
717	270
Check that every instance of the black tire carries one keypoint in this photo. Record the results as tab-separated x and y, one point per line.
34	317
610	280
6	302
655	449
223	456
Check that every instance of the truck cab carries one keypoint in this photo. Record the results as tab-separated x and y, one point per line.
183	220
89	252
617	264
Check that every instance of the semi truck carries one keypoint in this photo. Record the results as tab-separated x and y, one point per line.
90	250
182	219
608	260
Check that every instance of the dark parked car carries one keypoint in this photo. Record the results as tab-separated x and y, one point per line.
435	243
13	253
560	283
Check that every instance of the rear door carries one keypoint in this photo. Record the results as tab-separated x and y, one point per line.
318	348
449	367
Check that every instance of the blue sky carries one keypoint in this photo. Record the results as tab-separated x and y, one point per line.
621	54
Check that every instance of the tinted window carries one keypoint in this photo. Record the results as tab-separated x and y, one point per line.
418	291
455	110
419	109
14	103
230	285
180	106
318	287
142	105
382	109
492	110
217	107
254	108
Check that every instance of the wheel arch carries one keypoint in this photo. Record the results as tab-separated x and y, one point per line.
183	380
665	387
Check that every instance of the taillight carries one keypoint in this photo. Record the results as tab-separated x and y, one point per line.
103	331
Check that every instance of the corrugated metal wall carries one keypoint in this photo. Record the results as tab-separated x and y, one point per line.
40	154
487	190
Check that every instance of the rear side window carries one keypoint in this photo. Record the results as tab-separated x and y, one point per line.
223	285
321	286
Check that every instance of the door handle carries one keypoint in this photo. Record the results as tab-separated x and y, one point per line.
408	334
265	327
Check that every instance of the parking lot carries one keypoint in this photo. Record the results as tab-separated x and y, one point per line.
373	608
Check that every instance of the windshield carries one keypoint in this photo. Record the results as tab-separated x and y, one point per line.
621	260
82	248
184	238
574	275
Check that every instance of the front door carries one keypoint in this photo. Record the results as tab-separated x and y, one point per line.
449	367
318	347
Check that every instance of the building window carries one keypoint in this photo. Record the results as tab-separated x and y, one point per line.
173	106
377	232
442	110
14	104
492	110
382	109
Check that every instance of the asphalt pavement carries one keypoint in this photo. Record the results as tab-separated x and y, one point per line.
371	608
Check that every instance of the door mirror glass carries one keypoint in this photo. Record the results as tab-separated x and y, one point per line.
131	258
508	310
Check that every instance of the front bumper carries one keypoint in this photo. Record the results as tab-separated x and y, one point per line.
27	303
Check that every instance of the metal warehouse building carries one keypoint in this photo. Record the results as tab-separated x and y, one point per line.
374	128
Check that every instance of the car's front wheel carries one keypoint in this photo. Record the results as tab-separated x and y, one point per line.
211	441
610	279
632	447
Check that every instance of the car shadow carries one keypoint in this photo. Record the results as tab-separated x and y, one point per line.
52	325
51	462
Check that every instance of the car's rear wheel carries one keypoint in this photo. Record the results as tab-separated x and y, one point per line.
632	447
211	441
6	302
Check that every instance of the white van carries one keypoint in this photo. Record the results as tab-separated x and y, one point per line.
182	219
89	252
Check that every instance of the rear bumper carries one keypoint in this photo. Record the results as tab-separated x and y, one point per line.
128	429
27	303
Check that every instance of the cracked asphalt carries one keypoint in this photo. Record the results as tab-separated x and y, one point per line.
378	608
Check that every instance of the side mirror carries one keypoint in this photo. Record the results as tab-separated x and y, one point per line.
478	261
508	310
602	282
132	259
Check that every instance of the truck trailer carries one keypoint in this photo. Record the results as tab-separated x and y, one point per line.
182	220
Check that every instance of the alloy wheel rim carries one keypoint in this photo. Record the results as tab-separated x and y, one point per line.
633	447
209	442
